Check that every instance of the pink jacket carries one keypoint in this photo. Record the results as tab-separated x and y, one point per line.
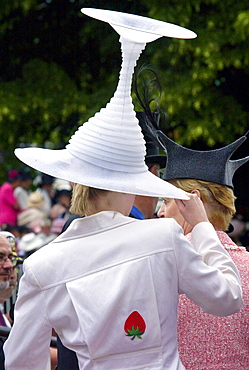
8	214
207	342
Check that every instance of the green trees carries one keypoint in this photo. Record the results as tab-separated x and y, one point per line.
205	80
58	67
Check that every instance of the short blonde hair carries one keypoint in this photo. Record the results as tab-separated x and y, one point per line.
220	199
81	196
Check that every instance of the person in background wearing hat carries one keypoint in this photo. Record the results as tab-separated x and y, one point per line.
107	285
144	207
207	342
21	192
34	214
9	207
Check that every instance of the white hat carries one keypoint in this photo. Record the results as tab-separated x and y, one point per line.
11	238
7	234
32	241
60	184
35	199
108	151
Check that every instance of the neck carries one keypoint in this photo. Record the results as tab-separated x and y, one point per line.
146	205
187	228
111	201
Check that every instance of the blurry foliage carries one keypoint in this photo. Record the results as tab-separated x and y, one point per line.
205	80
58	67
37	105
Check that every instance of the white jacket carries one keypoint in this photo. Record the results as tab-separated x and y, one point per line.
87	282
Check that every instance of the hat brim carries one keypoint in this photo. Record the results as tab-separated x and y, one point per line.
35	205
30	242
62	164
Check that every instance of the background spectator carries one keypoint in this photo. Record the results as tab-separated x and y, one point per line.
34	214
45	187
9	207
21	192
62	204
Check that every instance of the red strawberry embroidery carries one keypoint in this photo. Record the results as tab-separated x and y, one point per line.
134	325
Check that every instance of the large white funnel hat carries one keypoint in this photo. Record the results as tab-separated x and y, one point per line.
108	151
139	29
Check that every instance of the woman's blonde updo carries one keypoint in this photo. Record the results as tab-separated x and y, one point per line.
218	200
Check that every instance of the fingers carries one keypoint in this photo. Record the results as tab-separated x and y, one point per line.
192	210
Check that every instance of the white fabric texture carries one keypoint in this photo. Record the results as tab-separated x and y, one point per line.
103	267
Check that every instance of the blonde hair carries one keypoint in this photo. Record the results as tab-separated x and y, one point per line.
81	197
218	200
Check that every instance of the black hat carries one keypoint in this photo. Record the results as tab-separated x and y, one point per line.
152	150
25	175
46	179
212	165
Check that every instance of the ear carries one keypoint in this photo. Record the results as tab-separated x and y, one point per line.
155	170
196	191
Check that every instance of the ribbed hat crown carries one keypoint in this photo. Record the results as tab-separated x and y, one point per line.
112	138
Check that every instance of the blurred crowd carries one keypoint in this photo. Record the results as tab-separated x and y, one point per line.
34	210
